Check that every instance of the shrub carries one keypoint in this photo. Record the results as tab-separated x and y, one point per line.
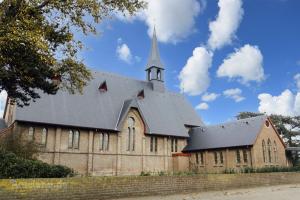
12	166
263	170
15	143
145	173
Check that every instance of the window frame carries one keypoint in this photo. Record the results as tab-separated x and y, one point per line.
245	156
264	150
221	157
72	143
44	137
216	157
31	134
238	156
275	152
174	145
269	151
131	135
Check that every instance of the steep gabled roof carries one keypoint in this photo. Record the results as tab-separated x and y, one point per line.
164	113
154	58
232	134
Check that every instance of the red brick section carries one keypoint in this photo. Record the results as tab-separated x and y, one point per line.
181	154
97	188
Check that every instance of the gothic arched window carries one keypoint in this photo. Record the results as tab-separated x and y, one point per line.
275	152
264	151
31	134
44	137
131	134
269	150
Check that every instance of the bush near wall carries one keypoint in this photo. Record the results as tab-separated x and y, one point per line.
263	170
12	166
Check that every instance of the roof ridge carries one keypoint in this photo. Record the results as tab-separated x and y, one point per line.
118	75
237	121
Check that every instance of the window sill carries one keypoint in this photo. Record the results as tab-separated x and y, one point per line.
218	165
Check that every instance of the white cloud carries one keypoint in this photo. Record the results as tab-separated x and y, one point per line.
202	106
194	77
174	19
297	80
286	103
124	53
245	64
3	96
209	97
235	94
226	24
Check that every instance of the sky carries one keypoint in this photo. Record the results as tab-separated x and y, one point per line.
224	56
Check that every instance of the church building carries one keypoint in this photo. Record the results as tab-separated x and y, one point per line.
123	126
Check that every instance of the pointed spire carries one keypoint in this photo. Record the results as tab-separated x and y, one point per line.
154	58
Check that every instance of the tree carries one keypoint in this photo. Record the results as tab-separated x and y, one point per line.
38	47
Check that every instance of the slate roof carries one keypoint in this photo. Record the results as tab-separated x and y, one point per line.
2	124
164	113
232	134
154	58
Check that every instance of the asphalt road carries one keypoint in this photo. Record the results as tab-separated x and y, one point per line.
283	192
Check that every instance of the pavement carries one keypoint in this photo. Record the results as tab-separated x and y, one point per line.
281	192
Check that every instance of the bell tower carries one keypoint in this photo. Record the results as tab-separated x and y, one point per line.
154	68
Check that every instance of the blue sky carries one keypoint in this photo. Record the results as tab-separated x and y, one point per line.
246	53
261	53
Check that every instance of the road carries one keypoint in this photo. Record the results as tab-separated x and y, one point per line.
284	192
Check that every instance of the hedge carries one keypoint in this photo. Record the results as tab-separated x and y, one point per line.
12	166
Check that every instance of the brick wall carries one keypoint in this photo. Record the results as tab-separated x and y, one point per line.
113	187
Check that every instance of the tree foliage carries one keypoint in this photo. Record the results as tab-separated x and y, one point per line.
37	43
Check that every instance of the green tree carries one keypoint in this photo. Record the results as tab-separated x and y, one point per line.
38	47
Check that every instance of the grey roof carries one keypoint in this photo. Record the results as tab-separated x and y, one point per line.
232	134
154	58
2	124
164	113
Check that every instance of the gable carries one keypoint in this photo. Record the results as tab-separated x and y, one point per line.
268	131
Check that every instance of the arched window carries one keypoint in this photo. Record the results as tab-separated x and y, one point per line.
245	155
264	151
275	152
269	150
76	140
44	137
128	139
238	156
70	140
73	142
133	139
216	157
221	158
31	134
106	142
158	74
149	75
131	134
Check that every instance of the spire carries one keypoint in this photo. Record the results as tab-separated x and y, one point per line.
154	58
